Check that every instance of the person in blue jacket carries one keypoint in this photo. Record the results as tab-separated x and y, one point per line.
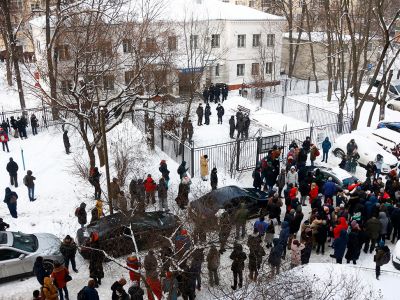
326	145
329	188
339	245
284	236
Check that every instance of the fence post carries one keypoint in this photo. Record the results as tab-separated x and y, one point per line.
308	112
237	154
308	86
192	160
259	144
283	105
311	129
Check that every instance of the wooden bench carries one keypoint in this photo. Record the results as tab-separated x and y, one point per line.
243	109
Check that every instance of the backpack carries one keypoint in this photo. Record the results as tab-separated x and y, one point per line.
386	257
25	181
81	295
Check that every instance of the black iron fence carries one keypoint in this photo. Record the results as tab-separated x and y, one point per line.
43	114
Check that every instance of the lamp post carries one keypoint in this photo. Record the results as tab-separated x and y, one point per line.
105	151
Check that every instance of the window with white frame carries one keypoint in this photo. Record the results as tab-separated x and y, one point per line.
268	68
256	40
217	70
194	39
240	70
270	40
35	6
215	40
127	45
241	41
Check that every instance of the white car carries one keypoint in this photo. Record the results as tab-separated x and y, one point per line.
367	149
18	252
393	104
384	137
396	256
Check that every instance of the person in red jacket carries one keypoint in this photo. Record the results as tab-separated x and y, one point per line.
59	276
133	262
313	192
155	288
4	139
342	225
150	187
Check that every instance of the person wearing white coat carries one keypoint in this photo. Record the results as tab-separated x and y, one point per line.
292	177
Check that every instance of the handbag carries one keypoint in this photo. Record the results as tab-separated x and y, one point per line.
67	278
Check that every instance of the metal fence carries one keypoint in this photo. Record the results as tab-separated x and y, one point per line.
43	114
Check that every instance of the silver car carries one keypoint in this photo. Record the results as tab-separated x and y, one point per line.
18	252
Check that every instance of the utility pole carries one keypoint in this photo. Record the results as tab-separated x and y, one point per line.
105	151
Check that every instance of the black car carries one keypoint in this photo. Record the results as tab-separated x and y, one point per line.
114	231
229	196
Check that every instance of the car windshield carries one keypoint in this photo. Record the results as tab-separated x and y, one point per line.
25	242
3	238
350	180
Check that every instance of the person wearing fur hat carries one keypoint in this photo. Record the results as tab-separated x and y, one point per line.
68	250
354	243
296	248
381	257
97	211
136	292
214	179
164	170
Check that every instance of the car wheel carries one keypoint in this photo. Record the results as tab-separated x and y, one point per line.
49	266
390	106
338	153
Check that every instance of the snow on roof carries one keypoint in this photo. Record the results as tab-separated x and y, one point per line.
316	36
181	10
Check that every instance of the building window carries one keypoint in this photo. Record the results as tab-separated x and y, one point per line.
66	87
35	6
241	42
256	40
172	43
129	75
217	70
255	69
268	68
215	41
63	52
106	49
270	40
151	44
17	4
194	41
127	46
108	82
240	70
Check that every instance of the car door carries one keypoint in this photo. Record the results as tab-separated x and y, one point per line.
10	263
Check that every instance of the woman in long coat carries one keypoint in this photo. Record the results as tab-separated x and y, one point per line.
204	167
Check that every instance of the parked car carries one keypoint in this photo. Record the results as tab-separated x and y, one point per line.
386	138
396	256
340	177
395	126
114	231
367	149
18	252
229	196
393	104
394	88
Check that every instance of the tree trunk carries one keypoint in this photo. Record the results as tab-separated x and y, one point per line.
12	45
50	65
8	59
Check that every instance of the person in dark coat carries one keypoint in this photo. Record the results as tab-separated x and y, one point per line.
225	92
372	229
162	189
205	95
12	169
22	123
339	246
68	250
34	124
200	112
381	258
150	264
141	196
5	126
118	289
183	194
182	169
257	182
353	244
217	93
190	130
307	145
30	184
96	260
3	225
81	214
207	114
214	179
89	292
238	257
39	271
307	240
321	236
220	112
326	146
135	291
213	262
10	199
211	93
94	179
225	227
275	257
284	237
232	127
255	256
246	126
67	145
164	170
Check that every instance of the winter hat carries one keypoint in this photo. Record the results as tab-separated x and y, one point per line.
292	168
341	205
329	178
184	232
292	211
354	224
135	283
381	243
122	281
326	209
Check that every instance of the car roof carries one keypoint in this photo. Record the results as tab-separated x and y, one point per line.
388	134
335	171
224	194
